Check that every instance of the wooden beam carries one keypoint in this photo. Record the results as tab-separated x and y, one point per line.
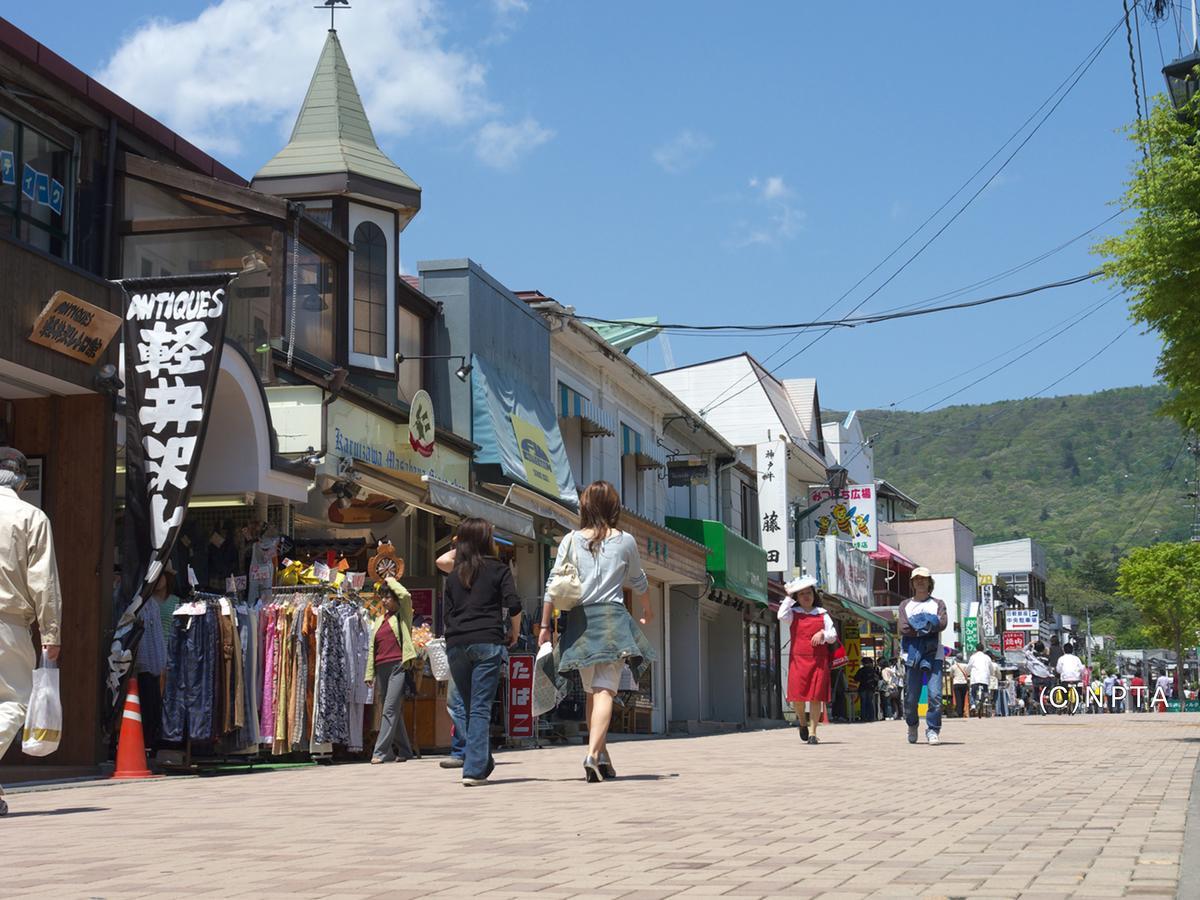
203	186
190	223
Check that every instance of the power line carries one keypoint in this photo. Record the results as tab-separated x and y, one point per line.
855	321
1081	69
1137	97
1154	502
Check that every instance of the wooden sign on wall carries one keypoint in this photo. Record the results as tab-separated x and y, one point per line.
75	328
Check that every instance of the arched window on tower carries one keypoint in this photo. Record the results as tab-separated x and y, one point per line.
370	291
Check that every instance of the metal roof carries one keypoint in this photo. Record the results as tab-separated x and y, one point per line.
626	337
332	133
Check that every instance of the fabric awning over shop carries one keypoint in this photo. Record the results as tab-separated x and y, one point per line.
533	502
886	553
517	429
503	518
595	421
646	455
735	564
387	484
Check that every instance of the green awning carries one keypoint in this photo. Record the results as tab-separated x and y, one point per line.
863	613
735	564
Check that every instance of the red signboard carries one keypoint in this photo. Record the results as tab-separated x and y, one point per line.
1014	640
520	695
422	600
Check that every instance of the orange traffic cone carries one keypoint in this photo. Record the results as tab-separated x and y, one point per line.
131	748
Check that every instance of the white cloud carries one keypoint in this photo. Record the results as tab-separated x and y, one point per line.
776	217
500	144
682	152
242	64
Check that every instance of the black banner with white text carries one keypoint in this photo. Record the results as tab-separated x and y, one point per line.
174	330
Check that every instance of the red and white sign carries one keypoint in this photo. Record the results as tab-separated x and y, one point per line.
520	695
1014	640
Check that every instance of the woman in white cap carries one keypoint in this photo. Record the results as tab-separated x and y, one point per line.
813	634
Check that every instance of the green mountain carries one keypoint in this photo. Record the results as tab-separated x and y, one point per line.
1099	472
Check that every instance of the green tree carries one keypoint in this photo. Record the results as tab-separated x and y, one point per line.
1155	260
1163	581
1096	572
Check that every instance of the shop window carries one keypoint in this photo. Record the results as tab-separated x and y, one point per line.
370	290
749	523
411	335
631	475
35	187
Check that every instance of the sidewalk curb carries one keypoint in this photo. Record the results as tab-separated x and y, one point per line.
1189	858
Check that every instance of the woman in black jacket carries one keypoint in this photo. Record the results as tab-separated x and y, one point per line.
482	618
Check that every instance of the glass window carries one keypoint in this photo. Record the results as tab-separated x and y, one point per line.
411	330
314	302
370	290
35	187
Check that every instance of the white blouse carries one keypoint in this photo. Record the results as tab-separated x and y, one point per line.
788	608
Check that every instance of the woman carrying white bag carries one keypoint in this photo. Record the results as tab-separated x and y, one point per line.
598	636
29	592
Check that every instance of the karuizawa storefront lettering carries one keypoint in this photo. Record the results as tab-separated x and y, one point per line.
74	327
174	332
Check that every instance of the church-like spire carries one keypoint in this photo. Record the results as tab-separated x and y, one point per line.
332	149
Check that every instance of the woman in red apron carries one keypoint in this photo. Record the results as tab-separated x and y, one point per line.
813	635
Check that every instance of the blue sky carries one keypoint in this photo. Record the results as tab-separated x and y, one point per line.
703	162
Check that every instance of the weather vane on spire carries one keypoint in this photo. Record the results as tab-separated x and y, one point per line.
332	6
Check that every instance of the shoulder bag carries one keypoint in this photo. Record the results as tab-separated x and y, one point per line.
565	588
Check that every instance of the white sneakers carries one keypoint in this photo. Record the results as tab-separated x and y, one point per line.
932	737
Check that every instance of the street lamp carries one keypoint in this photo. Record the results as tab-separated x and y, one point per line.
1181	80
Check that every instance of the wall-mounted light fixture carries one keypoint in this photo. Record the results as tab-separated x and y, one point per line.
460	373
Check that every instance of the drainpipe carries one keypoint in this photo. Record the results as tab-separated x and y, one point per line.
110	177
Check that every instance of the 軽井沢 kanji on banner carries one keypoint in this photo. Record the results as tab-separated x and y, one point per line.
173	333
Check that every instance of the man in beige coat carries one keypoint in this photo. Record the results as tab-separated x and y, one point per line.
29	592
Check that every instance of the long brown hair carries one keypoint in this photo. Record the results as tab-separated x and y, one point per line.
599	509
474	543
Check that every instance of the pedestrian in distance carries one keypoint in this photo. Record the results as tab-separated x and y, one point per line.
29	592
980	666
921	621
867	679
390	656
890	686
809	666
1163	685
598	637
1038	664
1137	689
1070	669
960	675
480	596
1055	652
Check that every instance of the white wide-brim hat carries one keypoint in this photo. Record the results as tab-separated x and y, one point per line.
796	585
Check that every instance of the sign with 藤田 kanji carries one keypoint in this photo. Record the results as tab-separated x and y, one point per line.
775	522
174	332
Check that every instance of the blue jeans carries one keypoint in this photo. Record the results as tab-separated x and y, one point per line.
187	707
475	670
912	695
458	715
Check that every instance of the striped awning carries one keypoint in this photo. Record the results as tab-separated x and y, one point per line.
595	421
648	455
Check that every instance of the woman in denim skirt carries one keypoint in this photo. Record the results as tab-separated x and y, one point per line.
599	637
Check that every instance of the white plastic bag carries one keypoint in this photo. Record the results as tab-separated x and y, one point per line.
43	721
439	660
546	695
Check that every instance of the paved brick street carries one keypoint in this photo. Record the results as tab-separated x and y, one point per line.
1087	807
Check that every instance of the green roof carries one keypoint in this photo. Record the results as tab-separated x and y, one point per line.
626	337
736	564
332	133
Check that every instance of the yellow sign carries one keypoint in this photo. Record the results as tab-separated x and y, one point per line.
535	454
986	579
74	327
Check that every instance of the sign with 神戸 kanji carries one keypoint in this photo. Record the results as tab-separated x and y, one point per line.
775	522
174	332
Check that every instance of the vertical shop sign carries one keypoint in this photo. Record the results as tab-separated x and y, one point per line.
173	333
775	524
520	695
987	610
970	634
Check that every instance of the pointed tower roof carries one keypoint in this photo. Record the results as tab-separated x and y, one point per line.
332	149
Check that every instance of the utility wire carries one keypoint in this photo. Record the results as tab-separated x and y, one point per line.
1137	97
855	321
1081	70
1150	508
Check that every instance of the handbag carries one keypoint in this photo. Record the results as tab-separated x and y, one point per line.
43	720
565	588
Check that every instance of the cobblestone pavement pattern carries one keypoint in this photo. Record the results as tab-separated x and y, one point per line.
1088	807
